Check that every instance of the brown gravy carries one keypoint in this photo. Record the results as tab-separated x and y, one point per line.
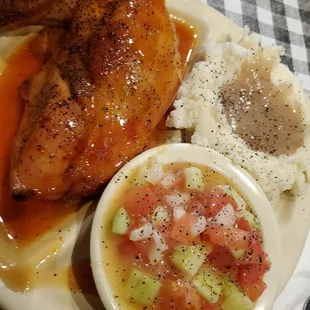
259	112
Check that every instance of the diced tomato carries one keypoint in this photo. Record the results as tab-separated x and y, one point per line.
215	200
168	298
127	247
140	201
221	258
231	237
164	270
256	290
235	239
135	248
172	180
215	235
255	253
181	231
244	225
143	247
196	207
159	190
205	237
203	197
251	273
166	232
208	306
177	295
191	298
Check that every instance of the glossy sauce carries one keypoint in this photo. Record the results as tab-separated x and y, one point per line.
187	40
23	222
77	277
259	112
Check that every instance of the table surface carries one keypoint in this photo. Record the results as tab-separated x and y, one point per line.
280	22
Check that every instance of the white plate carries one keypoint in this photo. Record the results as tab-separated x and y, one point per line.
293	217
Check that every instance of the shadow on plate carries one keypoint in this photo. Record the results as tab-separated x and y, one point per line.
82	285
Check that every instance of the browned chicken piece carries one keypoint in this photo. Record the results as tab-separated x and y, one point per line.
93	106
48	42
19	13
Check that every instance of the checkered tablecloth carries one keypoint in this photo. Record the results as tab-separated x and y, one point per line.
281	22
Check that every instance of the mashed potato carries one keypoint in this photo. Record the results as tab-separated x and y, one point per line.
199	110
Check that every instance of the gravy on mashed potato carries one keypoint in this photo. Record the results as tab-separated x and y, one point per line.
242	102
258	111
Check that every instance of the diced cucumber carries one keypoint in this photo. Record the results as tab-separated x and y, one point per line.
249	217
234	299
189	258
242	211
238	253
134	279
193	178
140	178
231	192
121	222
146	291
142	288
208	284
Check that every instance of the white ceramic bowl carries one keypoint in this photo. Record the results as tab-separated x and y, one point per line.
245	184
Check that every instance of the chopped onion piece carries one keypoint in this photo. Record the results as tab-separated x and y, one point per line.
178	213
159	241
160	215
154	255
156	250
169	179
226	217
177	199
142	232
199	226
155	173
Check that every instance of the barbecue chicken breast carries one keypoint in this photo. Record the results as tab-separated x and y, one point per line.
96	102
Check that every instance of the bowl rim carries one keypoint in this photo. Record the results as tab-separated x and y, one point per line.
240	179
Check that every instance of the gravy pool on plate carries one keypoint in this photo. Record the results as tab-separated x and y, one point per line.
180	237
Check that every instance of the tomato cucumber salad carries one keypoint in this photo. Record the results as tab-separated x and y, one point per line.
179	236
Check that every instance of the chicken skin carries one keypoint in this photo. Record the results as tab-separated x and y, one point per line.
95	103
19	13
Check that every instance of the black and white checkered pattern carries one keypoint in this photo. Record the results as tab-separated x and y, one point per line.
280	22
